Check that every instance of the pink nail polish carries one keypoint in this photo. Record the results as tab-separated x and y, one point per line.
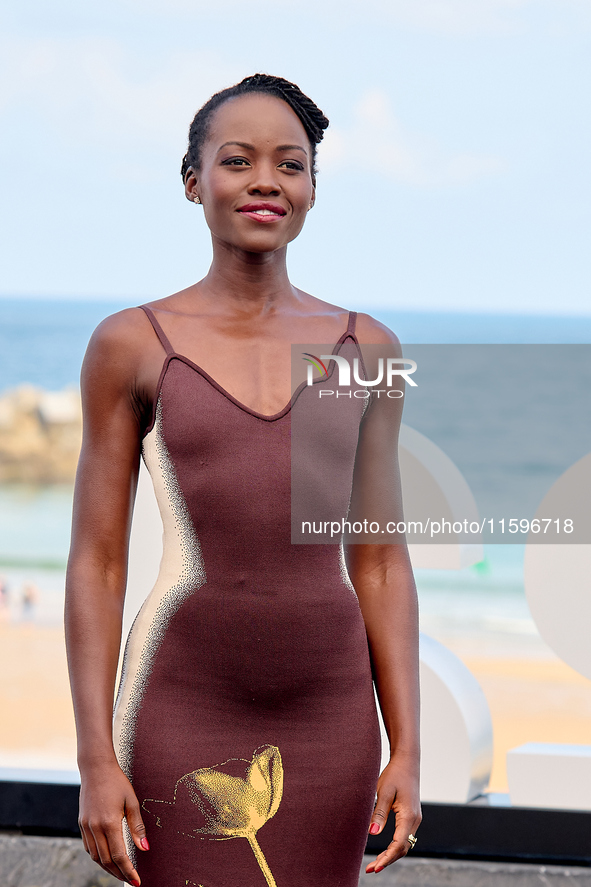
374	828
144	844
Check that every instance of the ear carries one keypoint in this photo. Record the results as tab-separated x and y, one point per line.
313	197
191	185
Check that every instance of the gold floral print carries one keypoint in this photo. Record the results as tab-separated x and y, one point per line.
214	804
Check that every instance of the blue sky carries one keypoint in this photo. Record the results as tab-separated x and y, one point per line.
455	174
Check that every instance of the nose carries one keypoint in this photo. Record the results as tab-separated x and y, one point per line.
264	180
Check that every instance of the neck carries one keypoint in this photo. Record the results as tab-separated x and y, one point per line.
247	282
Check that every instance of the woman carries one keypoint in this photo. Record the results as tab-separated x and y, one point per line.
246	701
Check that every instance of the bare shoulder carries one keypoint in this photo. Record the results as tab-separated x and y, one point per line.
321	308
120	333
370	331
119	347
180	302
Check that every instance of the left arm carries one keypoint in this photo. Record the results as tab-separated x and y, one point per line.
383	579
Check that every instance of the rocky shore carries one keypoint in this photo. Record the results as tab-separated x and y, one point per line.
40	435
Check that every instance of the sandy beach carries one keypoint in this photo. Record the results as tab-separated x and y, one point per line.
37	724
531	699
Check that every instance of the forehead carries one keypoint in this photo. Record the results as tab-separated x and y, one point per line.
258	119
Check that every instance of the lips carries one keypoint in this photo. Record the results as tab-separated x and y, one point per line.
263	212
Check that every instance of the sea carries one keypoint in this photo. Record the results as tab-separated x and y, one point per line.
42	342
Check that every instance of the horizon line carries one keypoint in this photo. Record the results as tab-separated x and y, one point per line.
402	309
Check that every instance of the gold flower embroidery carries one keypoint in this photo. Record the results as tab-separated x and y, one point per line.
215	804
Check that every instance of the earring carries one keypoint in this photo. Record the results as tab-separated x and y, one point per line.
197	199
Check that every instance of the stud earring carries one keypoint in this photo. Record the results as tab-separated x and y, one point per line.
197	199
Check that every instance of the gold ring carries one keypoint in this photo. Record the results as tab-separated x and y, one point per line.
412	841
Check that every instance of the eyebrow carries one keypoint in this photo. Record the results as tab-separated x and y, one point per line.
252	147
240	145
291	148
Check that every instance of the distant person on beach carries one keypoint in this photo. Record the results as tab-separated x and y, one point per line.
245	746
29	600
4	600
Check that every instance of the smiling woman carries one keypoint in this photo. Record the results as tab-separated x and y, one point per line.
246	704
280	154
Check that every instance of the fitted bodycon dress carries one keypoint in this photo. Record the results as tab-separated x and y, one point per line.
245	716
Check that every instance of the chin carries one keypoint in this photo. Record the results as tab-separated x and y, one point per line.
260	244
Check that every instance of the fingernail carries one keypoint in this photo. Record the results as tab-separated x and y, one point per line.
135	883
379	868
144	844
374	829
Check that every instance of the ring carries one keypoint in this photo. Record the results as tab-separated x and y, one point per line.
412	841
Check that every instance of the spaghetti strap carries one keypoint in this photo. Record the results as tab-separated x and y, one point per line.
158	329
352	321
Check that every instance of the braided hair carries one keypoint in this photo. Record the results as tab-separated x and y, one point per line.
310	115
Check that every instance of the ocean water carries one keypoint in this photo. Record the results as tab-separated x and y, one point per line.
42	342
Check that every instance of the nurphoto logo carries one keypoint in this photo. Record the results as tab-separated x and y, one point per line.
396	367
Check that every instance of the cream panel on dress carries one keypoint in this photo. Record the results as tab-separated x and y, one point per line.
181	573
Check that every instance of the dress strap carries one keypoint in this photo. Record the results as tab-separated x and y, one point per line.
352	321
158	329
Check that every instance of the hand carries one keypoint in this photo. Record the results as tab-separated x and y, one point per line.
106	798
398	790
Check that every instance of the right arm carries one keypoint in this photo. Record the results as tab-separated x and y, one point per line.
96	577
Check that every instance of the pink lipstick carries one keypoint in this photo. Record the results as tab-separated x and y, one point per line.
263	211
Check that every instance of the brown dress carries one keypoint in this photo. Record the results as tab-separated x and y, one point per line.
245	716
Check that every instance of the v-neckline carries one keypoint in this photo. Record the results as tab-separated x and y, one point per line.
174	355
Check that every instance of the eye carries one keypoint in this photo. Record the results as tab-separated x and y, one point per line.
292	164
235	161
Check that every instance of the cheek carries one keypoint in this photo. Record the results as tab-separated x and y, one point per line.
302	206
298	192
219	200
219	190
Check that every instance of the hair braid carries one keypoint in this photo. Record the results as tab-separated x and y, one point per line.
310	115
